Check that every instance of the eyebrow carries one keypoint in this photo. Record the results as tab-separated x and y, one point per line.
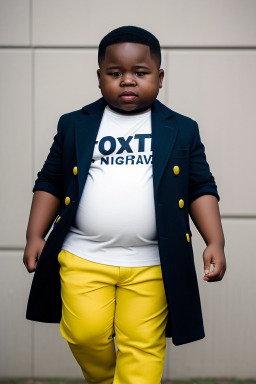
134	66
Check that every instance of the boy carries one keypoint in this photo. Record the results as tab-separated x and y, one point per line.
122	176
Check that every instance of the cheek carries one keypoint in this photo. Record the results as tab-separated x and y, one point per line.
151	88
108	86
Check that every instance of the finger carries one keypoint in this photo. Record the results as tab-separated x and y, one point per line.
222	273
207	258
218	270
30	268
212	278
30	264
207	266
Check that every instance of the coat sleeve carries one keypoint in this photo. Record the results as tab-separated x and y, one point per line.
201	180
50	178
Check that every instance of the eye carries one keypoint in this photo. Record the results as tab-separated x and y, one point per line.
115	74
140	74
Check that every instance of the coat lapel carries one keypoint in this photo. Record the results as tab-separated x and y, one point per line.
164	132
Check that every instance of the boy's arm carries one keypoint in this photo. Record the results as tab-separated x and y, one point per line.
48	192
205	214
43	211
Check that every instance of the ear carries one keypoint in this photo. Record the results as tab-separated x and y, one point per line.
161	77
98	75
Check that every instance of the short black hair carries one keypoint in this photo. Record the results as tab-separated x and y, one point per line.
130	34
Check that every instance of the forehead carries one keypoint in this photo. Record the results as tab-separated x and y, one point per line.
127	54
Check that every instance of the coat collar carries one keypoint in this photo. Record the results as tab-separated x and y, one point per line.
164	133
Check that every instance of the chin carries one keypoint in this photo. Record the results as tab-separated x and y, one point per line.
124	109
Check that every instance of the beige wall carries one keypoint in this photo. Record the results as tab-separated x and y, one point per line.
48	59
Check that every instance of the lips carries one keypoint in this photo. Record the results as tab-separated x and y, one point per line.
128	93
128	96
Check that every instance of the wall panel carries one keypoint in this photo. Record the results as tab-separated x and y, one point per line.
14	22
217	88
51	348
175	23
15	145
15	331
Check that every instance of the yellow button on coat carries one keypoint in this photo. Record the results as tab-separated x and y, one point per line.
188	237
181	203
75	170
67	200
58	219
176	170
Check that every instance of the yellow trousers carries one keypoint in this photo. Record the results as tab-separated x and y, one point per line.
99	300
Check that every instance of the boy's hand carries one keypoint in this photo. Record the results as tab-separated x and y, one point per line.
214	254
32	252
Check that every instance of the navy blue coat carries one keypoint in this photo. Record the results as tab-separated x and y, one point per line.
175	142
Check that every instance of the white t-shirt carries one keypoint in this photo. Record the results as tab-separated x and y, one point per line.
115	220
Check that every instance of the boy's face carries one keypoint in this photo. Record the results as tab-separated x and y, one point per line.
129	77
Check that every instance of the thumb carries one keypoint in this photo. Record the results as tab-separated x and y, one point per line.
207	263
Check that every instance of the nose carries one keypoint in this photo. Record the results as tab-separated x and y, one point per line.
128	80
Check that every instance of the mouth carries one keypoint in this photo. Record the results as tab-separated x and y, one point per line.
128	96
